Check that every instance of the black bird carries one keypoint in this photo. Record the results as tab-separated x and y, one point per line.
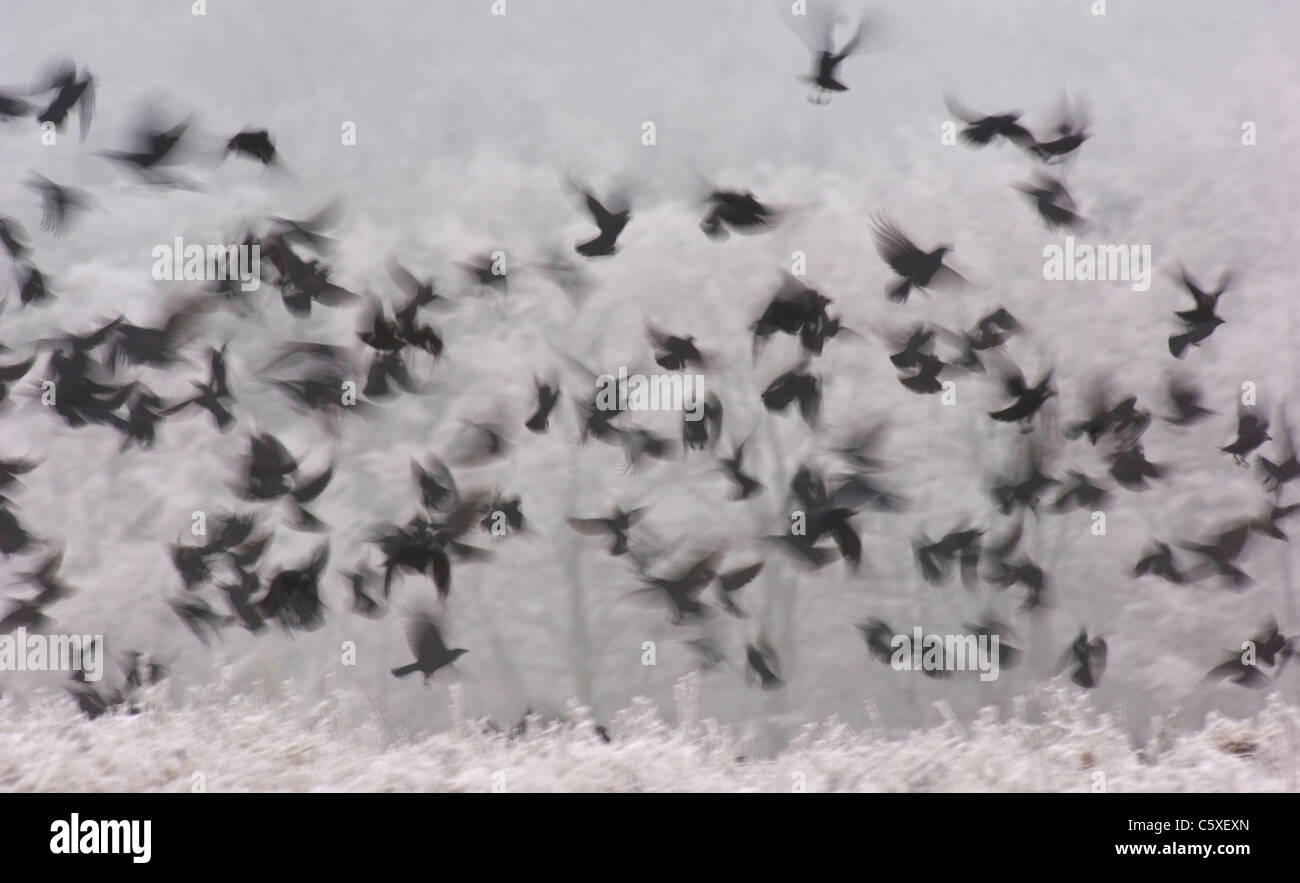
981	129
214	395
199	617
13	237
1130	467
616	526
1124	418
933	558
1221	552
1276	474
878	636
10	373
14	538
1252	431
435	484
1267	524
1088	658
1206	302
611	222
746	485
69	91
732	581
255	144
431	652
919	269
701	432
1186	402
488	273
32	285
1029	399
548	395
293	594
45	578
1158	560
682	589
827	61
11	469
1054	204
1081	493
794	309
925	381
503	508
57	203
795	385
764	664
359	580
155	147
12	106
673	352
1246	668
994	329
156	347
732	210
1071	132
1200	321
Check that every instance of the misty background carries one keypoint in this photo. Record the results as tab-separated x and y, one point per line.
466	123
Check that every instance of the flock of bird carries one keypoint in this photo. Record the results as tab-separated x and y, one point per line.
222	583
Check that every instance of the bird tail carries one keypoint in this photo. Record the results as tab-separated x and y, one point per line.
1178	343
898	294
403	670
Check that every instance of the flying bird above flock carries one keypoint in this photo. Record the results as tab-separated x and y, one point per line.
131	381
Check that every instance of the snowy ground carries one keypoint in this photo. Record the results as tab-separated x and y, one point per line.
258	743
465	122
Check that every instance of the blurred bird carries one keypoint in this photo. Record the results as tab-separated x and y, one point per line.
918	269
431	652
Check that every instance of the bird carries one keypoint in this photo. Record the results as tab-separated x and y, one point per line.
424	635
1158	560
1054	204
58	203
1267	649
616	526
745	485
548	394
1088	659
983	129
1028	399
1276	473
610	222
1200	321
70	91
253	143
1220	553
731	581
674	352
795	386
730	210
827	60
1080	493
1071	132
155	147
1252	431
682	589
763	664
1185	400
915	267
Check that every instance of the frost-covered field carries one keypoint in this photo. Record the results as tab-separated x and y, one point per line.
253	743
465	122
